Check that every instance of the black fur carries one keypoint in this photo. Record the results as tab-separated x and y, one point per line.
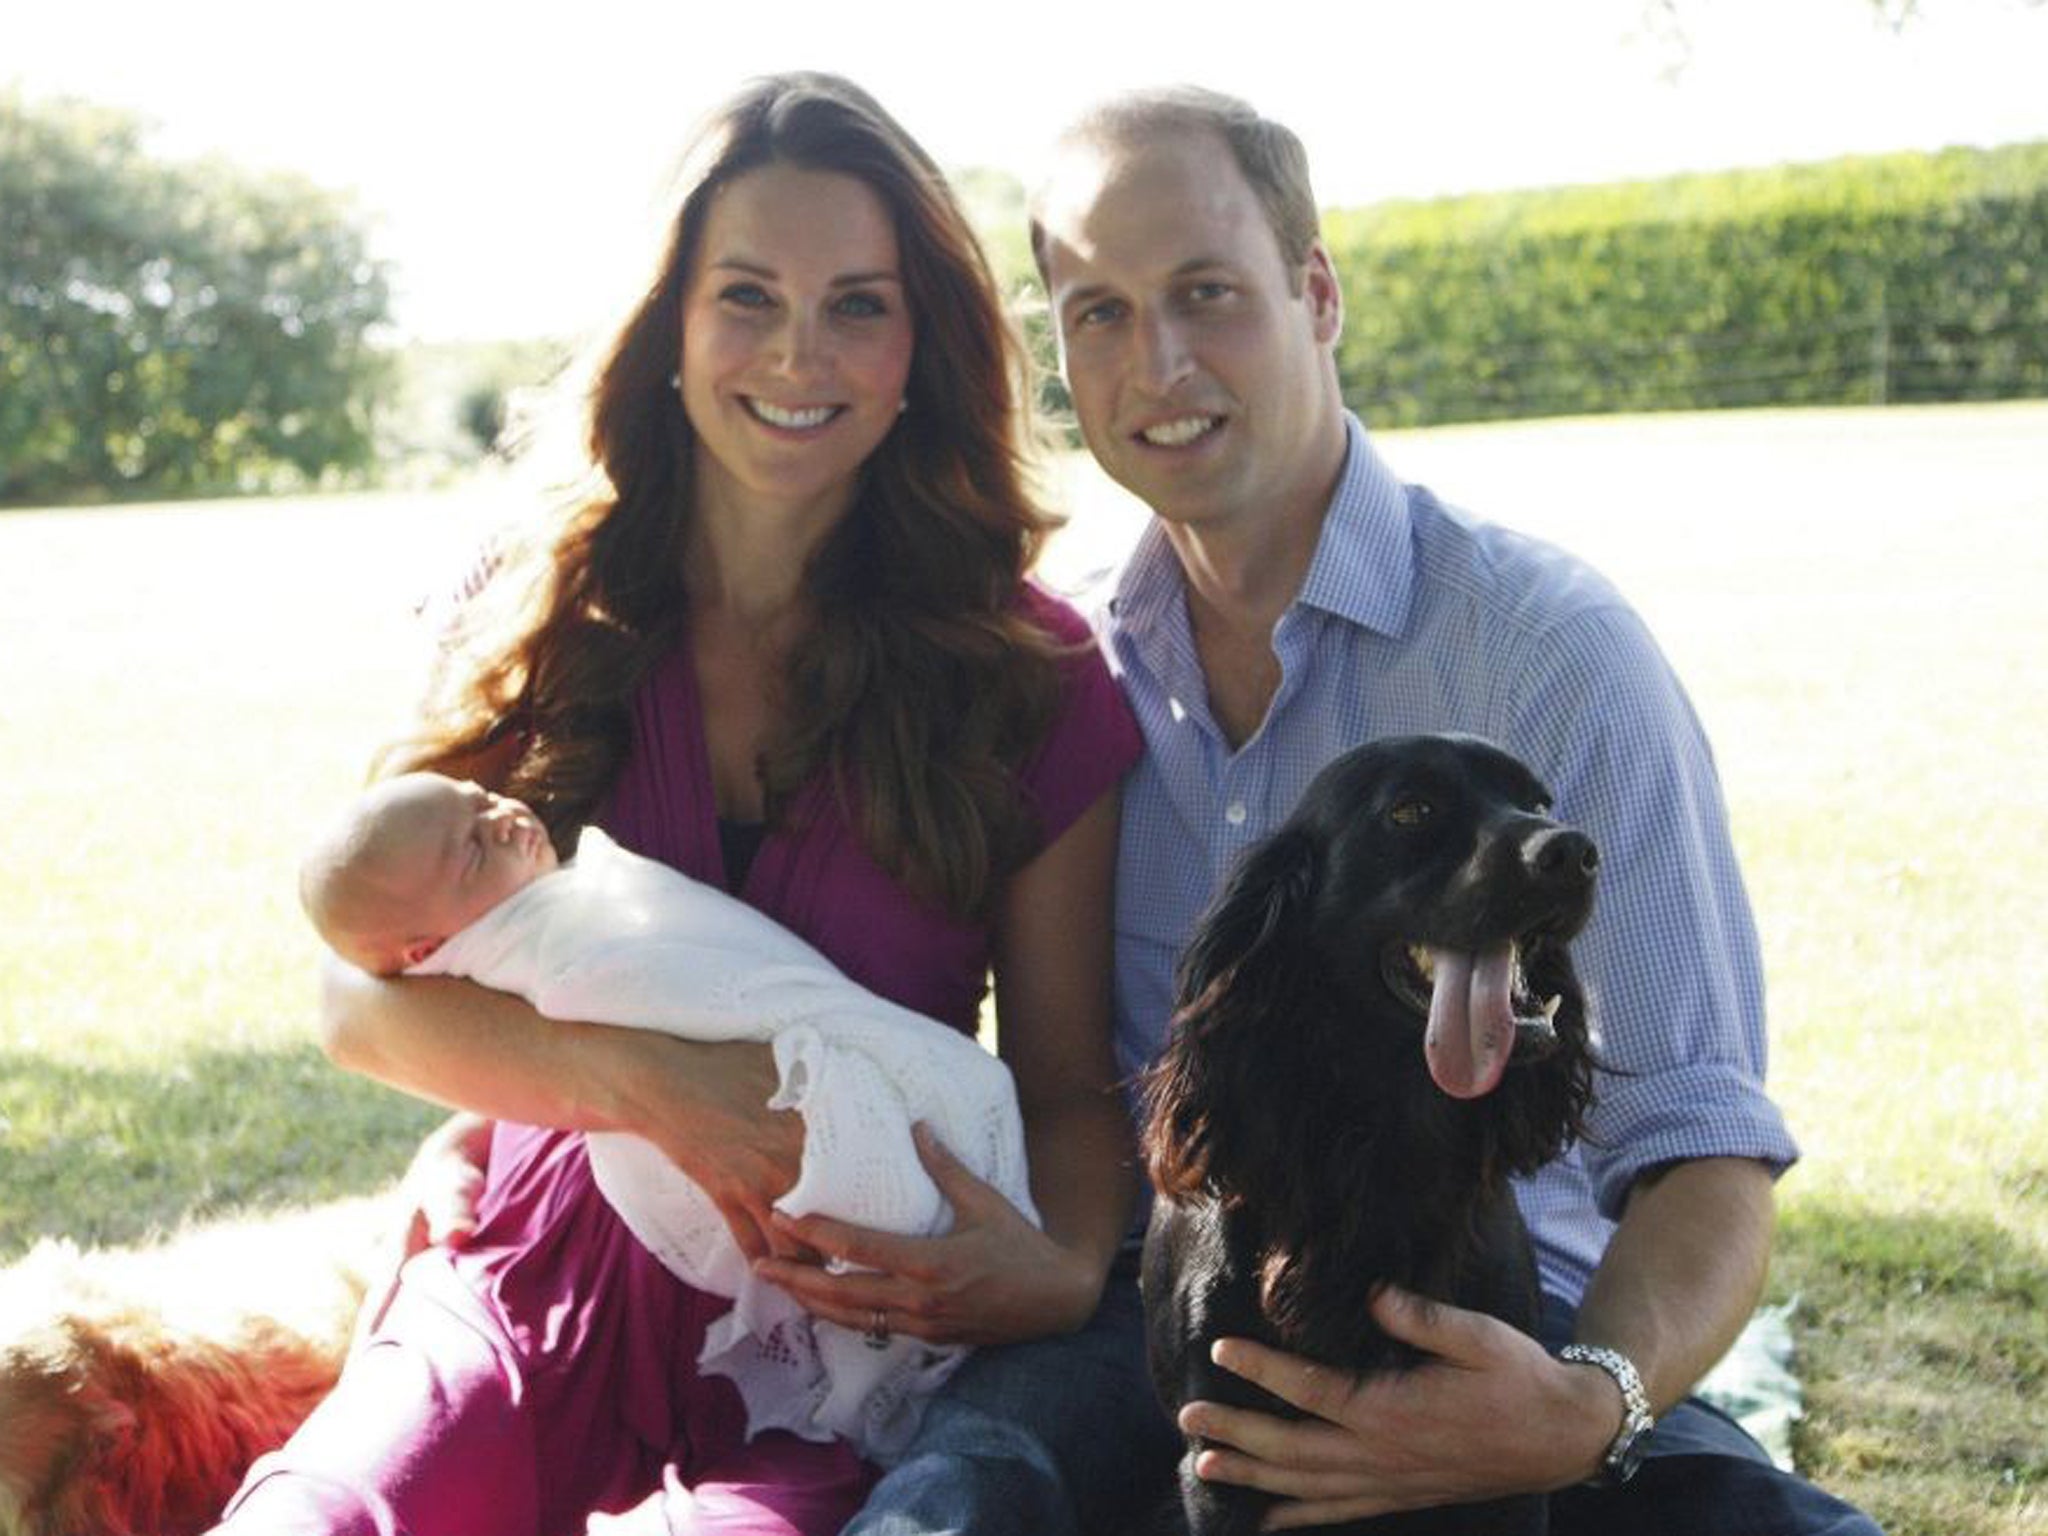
1301	1152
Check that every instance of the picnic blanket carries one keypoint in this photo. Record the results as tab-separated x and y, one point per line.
1755	1385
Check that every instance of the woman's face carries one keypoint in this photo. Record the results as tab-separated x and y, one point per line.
797	339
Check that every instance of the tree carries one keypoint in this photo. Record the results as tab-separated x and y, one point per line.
997	205
482	414
174	326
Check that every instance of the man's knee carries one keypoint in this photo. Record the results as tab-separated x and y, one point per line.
999	1489
1707	1495
1046	1438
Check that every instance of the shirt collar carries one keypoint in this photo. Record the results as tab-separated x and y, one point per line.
1150	580
1364	565
1363	569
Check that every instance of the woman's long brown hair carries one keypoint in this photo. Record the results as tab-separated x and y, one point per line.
922	684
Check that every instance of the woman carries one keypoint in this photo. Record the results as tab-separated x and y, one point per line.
788	648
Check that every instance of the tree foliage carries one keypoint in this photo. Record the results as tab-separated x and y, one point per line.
174	327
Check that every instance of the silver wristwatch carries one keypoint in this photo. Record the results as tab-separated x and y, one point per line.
1625	1451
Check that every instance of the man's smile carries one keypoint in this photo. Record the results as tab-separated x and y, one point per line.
1180	431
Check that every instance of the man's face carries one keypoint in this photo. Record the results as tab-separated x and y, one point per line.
1198	360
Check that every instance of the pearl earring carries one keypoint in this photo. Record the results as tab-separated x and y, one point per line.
675	381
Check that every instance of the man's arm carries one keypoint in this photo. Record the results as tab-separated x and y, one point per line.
1683	1272
1682	1125
1681	1276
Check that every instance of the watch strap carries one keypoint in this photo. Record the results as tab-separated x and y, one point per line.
1625	1451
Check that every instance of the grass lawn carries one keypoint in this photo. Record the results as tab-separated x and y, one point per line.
1855	599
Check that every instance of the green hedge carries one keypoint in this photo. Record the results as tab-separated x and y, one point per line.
1869	280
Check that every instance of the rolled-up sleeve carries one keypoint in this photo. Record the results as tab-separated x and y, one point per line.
1671	958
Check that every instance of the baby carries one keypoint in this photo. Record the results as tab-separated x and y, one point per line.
426	875
416	860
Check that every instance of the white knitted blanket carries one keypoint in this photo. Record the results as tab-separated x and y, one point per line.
614	938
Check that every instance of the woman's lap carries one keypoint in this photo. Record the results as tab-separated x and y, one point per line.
547	1372
423	1432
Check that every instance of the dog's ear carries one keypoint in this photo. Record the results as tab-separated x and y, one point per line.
1242	984
1257	923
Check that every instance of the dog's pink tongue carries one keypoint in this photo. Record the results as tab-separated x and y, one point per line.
1471	1021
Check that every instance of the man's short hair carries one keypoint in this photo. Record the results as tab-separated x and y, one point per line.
1268	155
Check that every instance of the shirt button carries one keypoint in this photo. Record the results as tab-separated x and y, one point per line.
1235	814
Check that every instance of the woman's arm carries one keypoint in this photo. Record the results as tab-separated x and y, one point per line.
996	1278
469	1047
1053	960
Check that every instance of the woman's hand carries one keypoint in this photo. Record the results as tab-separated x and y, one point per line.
437	1197
705	1105
993	1279
444	1183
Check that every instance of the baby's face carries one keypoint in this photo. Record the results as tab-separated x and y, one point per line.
466	849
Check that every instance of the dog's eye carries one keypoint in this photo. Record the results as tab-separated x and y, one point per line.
1410	812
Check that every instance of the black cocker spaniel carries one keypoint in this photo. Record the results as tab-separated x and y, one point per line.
1378	1024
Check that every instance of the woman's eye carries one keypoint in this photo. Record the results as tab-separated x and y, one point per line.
861	306
745	296
1410	812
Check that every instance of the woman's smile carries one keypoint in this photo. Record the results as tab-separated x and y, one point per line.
797	418
797	340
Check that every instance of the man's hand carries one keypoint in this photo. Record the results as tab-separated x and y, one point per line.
1489	1414
993	1279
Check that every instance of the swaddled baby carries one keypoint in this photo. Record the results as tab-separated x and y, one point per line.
426	875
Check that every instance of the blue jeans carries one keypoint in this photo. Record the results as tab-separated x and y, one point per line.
1702	1475
1064	1437
1057	1437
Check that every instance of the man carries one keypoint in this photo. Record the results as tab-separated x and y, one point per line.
1292	598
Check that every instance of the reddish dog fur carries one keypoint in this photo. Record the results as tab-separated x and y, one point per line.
137	1385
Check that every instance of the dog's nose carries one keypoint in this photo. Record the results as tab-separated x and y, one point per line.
1562	853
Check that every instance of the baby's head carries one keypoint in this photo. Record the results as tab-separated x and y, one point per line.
414	861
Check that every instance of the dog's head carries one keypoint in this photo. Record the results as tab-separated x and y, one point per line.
1446	889
1410	921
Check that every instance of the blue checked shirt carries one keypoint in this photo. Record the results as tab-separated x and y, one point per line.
1412	618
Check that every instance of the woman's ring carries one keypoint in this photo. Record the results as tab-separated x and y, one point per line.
877	1336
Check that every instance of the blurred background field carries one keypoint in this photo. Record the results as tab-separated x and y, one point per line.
1852	595
227	272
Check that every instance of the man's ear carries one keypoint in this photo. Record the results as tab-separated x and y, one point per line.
1325	295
